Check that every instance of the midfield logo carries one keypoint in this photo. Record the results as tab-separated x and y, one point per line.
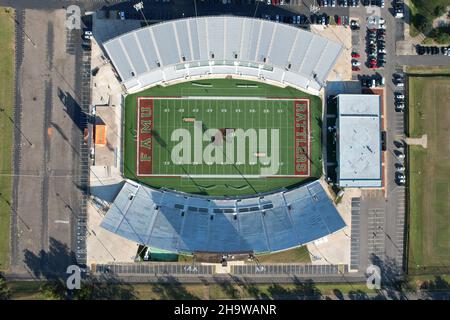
227	146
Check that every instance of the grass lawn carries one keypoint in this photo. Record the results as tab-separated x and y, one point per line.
428	70
297	255
6	128
25	290
220	114
429	170
31	291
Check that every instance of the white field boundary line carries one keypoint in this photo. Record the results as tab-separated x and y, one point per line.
221	98
220	176
225	175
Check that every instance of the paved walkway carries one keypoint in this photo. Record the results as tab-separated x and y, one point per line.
417	141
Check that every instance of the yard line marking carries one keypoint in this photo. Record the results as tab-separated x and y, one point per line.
62	221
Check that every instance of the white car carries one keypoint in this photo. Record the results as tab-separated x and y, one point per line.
382	51
401	169
356	63
269	2
399	96
400	84
400	107
87	35
381	20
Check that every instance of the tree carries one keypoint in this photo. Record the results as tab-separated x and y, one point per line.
5	294
54	290
439	10
423	23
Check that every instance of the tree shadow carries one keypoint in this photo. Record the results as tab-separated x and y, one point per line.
358	295
394	281
73	109
302	290
229	289
51	266
169	288
252	290
105	289
339	295
436	289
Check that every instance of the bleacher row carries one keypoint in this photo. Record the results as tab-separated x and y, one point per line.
179	222
222	45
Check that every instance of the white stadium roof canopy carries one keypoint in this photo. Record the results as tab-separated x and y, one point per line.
216	46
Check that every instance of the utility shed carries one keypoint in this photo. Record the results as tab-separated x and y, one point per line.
359	141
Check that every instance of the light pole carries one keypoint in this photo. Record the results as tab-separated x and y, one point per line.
138	7
23	30
2	110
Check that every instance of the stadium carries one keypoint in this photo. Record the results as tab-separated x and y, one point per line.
222	136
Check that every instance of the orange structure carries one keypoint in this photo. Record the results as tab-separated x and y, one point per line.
100	134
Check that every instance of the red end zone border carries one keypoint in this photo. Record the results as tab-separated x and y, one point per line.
302	140
302	137
144	136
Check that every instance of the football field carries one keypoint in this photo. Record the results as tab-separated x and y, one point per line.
222	137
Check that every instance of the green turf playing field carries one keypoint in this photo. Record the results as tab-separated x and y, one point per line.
429	174
222	137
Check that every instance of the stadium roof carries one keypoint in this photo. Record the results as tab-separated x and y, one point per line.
221	45
186	223
359	140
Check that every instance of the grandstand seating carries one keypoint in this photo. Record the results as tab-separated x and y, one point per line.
180	222
194	48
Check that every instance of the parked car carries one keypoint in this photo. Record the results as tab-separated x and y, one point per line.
399	80
379	80
399	9
354	25
87	35
365	81
399	96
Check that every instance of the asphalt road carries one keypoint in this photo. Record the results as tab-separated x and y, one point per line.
47	162
427	61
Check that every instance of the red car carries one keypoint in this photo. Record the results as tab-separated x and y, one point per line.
355	69
374	66
338	22
355	55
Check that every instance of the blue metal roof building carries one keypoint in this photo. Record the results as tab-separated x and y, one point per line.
188	223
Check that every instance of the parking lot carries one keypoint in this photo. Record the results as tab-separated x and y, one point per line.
153	269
